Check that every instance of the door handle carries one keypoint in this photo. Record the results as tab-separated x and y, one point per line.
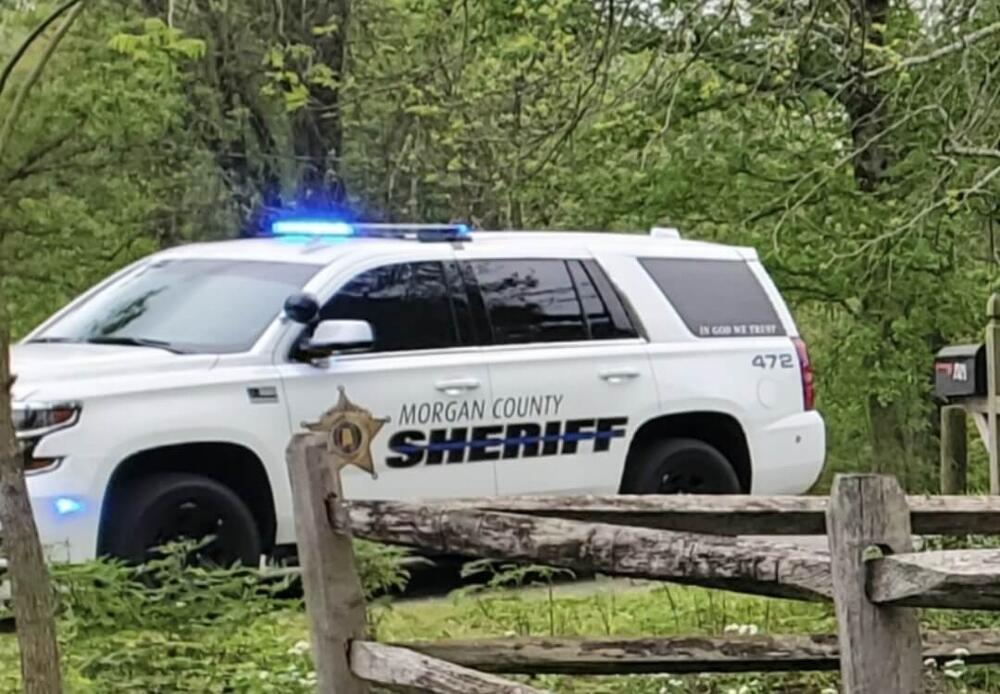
457	386
619	375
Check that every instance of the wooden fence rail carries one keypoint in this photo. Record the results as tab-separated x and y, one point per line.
682	654
744	515
745	565
871	573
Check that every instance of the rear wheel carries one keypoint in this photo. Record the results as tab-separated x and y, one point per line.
166	507
681	466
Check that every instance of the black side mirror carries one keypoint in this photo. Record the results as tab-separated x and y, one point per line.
302	308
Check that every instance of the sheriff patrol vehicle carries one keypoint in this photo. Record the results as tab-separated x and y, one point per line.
159	404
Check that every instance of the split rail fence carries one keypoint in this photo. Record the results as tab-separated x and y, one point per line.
871	573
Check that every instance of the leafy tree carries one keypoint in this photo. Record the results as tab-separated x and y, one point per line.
853	143
34	602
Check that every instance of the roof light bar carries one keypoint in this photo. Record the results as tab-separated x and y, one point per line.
311	227
328	228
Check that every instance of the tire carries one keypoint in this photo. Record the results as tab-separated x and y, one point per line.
169	506
681	466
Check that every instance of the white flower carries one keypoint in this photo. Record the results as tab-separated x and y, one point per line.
960	653
954	674
300	648
930	663
742	629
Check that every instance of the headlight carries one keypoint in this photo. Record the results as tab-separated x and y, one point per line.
32	420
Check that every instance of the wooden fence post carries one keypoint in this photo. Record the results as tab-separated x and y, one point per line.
334	598
993	390
879	646
954	453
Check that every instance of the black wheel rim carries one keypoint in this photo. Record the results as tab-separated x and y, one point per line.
191	520
681	482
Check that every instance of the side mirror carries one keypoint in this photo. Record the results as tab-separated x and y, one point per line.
332	336
302	308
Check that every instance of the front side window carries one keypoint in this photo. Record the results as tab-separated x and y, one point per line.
716	298
530	301
407	305
209	306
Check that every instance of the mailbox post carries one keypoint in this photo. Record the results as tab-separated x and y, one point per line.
993	390
967	377
960	380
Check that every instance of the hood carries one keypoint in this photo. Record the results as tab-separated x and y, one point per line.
38	365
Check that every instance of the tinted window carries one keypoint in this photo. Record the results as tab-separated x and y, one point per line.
716	298
208	306
407	305
606	317
530	301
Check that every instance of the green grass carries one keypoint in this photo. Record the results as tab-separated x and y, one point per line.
265	651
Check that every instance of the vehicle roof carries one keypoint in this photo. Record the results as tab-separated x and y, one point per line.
322	251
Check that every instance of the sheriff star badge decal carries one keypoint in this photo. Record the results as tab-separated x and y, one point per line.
349	431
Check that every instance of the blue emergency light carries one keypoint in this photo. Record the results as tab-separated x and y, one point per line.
311	227
65	506
320	228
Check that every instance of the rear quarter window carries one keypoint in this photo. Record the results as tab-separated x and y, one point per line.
715	298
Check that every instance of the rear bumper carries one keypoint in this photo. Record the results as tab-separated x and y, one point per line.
788	455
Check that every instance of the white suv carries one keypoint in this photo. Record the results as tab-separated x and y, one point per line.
159	404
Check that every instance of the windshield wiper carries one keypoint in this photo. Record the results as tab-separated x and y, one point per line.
52	340
131	342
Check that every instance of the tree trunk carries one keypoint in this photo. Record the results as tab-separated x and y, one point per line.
317	129
887	439
34	601
867	108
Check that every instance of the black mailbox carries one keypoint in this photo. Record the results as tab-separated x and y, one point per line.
960	372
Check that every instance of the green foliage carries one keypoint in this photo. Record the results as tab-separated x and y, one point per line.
737	126
171	627
101	165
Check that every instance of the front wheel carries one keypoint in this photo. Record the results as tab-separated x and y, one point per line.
173	506
681	466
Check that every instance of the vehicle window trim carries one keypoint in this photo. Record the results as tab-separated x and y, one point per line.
587	329
602	284
482	326
485	350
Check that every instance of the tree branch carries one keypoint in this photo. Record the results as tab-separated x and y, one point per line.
32	37
979	152
22	94
961	44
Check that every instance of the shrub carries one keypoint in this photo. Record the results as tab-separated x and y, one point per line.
168	626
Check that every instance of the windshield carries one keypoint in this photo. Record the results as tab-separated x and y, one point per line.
191	306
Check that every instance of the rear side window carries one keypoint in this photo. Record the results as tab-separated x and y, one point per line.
715	298
408	305
529	301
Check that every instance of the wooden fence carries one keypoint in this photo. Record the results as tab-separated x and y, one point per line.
871	573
